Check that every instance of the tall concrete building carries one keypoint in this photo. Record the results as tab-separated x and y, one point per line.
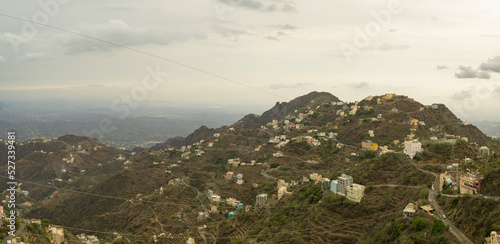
344	181
325	184
412	148
261	199
333	186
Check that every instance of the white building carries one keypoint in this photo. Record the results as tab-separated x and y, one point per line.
344	181
261	199
412	147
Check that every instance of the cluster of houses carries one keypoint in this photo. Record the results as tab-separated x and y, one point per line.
235	162
239	177
343	186
411	210
88	239
465	182
229	201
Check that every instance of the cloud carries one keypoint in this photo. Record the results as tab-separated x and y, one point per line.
467	72
441	67
493	65
358	85
2	59
461	95
268	6
290	86
33	56
119	32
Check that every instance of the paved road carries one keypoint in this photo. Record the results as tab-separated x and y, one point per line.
18	231
439	212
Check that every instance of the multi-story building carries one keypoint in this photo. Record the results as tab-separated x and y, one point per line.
412	148
282	183
261	199
333	186
494	238
470	183
344	181
57	234
484	150
355	192
325	184
281	191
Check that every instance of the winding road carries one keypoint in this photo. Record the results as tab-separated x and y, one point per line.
462	238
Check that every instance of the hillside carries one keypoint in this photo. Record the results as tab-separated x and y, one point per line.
81	183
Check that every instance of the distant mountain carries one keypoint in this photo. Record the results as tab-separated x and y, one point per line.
3	107
490	128
280	110
253	121
199	134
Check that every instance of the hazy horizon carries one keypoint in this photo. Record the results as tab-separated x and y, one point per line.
253	53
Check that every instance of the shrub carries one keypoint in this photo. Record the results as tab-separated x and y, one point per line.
418	224
438	227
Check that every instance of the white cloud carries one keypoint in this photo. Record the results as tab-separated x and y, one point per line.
33	56
2	59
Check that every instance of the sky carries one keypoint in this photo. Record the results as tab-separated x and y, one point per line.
252	53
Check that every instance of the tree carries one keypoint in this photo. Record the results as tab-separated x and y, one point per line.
418	224
438	227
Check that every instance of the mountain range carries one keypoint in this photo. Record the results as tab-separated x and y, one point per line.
165	192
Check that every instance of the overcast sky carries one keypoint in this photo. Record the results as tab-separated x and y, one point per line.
270	50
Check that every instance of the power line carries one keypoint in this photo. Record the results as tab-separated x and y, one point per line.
145	53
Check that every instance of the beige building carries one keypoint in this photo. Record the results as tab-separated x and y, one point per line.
261	199
355	192
369	145
494	238
470	183
56	234
410	210
315	176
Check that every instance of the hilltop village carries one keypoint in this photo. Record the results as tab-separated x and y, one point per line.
382	162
